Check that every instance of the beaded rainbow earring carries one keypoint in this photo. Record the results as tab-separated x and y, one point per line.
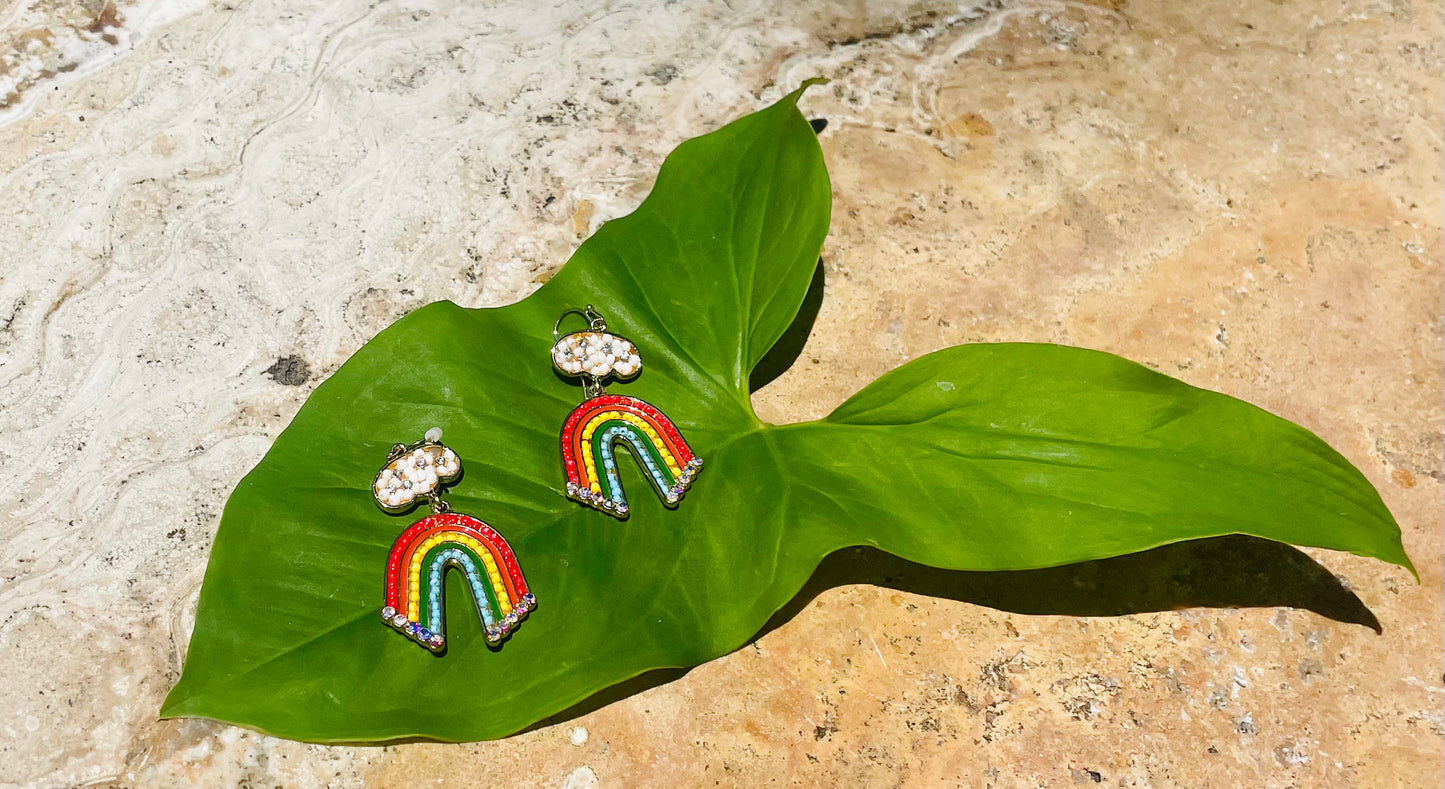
593	429
419	559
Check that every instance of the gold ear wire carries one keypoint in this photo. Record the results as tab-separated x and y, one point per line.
594	319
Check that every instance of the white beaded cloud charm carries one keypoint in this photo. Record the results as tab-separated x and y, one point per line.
413	472
596	353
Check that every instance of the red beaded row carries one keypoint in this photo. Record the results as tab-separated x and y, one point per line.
464	524
569	440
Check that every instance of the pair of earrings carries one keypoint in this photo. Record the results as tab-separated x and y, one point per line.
417	565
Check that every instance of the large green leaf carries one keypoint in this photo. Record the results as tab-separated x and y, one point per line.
978	457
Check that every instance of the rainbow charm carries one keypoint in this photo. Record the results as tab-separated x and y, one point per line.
416	571
594	429
417	566
589	440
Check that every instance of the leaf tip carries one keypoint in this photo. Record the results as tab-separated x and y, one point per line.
1409	565
804	85
177	702
170	709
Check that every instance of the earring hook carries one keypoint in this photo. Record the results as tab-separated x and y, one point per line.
594	319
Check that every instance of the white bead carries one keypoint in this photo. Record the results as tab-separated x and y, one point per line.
434	435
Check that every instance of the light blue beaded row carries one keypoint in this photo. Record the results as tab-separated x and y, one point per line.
639	445
458	558
609	463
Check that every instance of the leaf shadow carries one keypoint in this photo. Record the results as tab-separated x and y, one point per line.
789	346
1234	571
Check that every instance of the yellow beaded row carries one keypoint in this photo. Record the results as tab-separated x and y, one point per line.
657	442
592	479
637	422
413	603
499	587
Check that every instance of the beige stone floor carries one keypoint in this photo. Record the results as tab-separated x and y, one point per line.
1244	195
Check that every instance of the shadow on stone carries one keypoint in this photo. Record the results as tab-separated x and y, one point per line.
786	350
642	682
1235	571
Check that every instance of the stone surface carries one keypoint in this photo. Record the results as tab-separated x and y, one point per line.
204	218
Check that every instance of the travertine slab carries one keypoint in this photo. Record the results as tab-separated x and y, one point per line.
205	217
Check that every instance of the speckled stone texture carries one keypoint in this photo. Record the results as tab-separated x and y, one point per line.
201	224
